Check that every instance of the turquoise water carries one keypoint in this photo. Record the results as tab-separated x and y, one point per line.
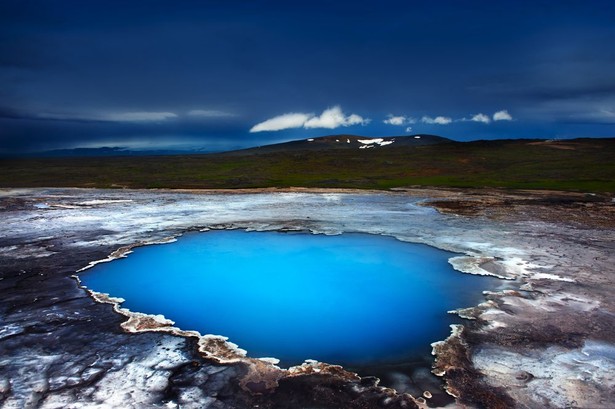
352	299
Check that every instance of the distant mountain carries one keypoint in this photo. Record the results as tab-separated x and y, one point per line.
312	144
345	142
106	151
84	152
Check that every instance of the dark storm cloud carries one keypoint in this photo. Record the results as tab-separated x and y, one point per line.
36	134
568	75
76	71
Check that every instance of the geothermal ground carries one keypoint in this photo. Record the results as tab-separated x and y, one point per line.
546	338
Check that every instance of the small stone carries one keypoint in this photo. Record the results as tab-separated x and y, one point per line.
524	376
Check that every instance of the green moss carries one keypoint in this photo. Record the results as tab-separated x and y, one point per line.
585	165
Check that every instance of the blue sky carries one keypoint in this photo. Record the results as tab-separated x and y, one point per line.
224	74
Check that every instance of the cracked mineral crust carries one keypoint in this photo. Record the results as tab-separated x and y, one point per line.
546	338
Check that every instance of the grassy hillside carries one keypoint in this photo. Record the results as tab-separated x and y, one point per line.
582	164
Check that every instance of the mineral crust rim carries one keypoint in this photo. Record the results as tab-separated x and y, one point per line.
220	350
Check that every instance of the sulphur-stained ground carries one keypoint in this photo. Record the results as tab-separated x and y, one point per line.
544	338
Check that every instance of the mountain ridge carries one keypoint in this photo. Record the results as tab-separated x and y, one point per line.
345	141
333	141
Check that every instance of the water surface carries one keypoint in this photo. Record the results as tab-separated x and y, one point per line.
352	299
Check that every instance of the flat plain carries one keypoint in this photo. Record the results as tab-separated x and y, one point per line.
586	165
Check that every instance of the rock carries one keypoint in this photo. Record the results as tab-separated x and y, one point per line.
552	324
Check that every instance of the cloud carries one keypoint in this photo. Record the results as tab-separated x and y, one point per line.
138	116
286	121
110	117
502	115
399	120
439	120
603	115
209	113
409	129
570	111
63	117
330	118
481	118
395	120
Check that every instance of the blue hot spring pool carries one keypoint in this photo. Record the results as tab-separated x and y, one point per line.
352	299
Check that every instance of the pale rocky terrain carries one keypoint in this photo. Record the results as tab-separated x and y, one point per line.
544	338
